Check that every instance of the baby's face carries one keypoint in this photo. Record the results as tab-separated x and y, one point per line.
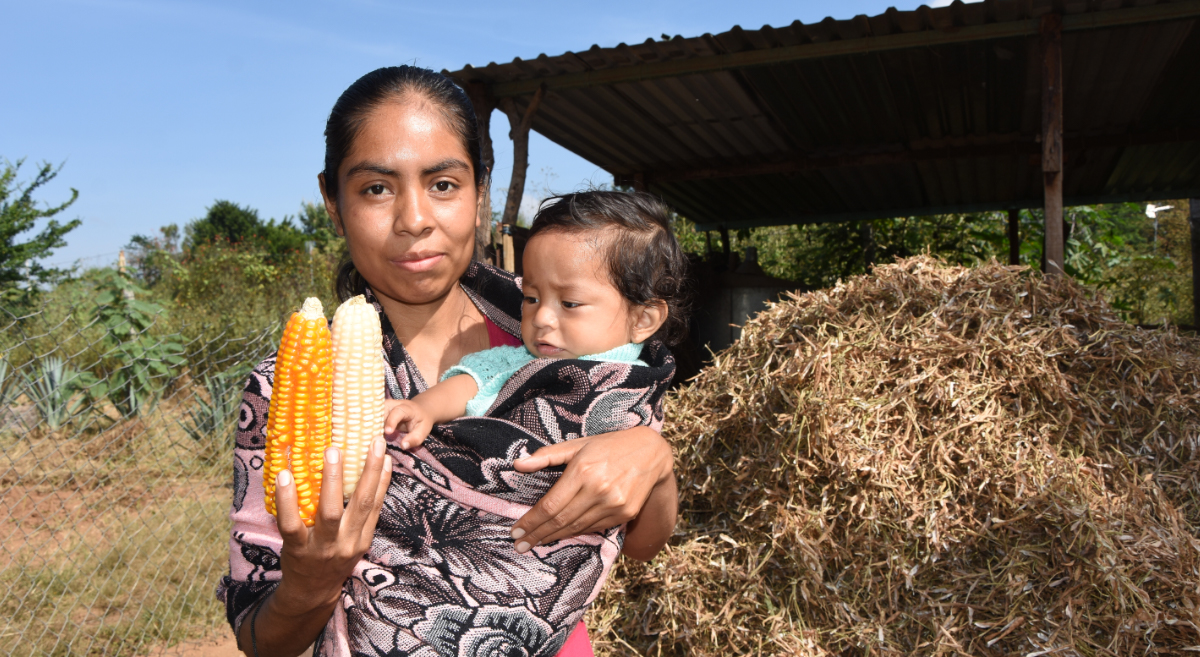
571	307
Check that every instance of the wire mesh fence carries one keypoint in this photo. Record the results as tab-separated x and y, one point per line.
115	435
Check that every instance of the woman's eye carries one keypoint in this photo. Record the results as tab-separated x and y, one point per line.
376	190
443	185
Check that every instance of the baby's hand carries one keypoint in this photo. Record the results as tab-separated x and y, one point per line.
407	417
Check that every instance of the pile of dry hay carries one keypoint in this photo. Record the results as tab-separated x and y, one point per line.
929	460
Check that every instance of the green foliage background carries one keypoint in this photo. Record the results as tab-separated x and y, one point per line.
1144	270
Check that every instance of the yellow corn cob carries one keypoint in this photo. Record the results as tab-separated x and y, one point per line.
298	425
357	386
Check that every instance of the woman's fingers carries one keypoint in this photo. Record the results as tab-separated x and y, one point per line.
607	480
362	502
557	509
287	509
329	507
385	480
550	455
575	520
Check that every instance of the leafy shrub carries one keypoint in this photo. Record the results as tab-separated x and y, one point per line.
145	363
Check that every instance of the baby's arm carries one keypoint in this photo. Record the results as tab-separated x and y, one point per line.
443	402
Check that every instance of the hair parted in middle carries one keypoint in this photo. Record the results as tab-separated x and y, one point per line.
394	83
644	260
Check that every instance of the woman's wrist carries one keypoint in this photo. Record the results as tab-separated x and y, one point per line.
301	601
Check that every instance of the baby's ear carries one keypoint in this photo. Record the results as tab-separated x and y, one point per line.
647	320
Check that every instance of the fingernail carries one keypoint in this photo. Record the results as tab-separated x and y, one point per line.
377	447
284	478
387	463
331	455
522	547
517	532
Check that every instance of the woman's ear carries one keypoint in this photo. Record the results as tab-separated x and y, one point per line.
331	206
648	319
482	197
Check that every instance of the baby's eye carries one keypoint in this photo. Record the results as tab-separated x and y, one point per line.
531	300
571	304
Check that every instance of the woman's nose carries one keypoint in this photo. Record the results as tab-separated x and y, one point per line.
411	212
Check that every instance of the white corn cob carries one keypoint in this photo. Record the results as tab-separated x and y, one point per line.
357	386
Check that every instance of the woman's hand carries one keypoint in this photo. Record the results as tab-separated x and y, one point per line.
317	561
607	482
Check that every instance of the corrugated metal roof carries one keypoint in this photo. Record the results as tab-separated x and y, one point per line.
914	112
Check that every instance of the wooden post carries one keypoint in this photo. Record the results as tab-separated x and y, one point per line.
639	182
483	103
725	246
519	134
1014	236
1194	216
1052	141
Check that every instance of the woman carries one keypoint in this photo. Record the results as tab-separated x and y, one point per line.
403	182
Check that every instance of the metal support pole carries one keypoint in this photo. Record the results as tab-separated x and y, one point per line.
1014	236
1194	217
1052	143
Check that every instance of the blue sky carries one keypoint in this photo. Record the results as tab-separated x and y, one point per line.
159	107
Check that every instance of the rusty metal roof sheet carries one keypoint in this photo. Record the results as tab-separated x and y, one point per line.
908	112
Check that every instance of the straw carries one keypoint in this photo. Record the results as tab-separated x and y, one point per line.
929	460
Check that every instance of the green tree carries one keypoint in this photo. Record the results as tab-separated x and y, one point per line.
151	257
229	222
316	224
20	270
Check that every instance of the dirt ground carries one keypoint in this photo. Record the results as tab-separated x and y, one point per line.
218	645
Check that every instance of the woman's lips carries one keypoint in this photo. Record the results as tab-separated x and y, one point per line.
419	262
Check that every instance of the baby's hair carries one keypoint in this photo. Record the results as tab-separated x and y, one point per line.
644	260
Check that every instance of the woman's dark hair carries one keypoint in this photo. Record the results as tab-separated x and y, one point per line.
644	260
369	92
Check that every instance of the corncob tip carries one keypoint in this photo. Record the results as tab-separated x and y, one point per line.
359	300
312	308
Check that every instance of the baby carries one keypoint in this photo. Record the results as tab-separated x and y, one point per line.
602	274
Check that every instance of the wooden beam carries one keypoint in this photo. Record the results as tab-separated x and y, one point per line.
710	63
1194	217
886	154
1052	141
998	205
483	103
1014	236
519	133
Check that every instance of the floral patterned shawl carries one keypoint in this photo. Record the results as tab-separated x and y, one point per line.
442	576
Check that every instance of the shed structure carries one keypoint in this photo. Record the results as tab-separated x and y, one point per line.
998	105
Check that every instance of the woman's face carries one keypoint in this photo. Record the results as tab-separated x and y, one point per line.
407	202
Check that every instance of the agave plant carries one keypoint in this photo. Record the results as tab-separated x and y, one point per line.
9	391
53	391
210	421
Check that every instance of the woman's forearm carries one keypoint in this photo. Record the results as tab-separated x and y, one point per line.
288	622
646	534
